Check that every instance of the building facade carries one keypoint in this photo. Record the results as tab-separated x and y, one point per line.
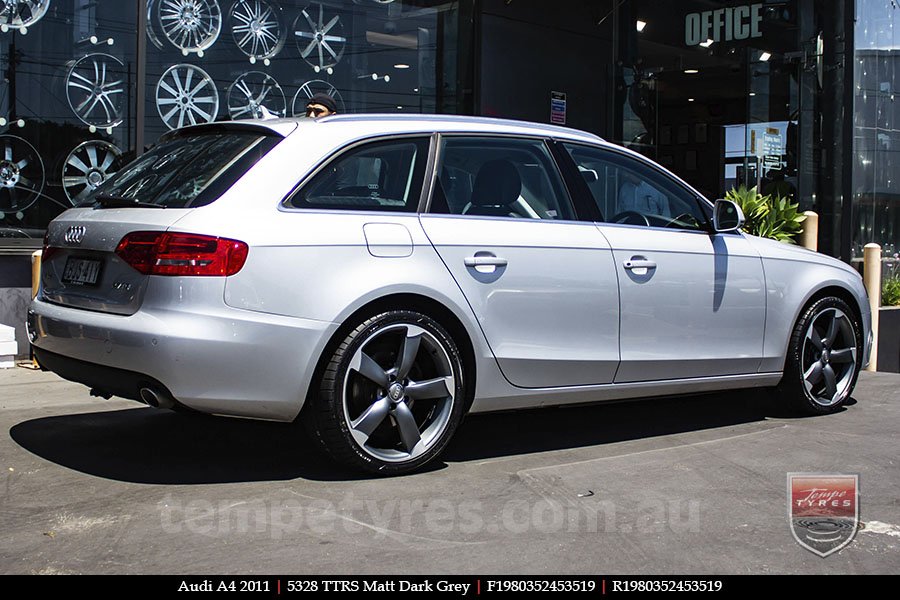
795	96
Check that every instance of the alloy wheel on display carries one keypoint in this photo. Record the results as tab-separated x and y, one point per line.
95	89
186	95
399	393
21	14
829	357
87	166
253	95
320	36
257	28
21	175
190	25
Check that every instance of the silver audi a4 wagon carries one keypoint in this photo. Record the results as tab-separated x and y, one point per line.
378	277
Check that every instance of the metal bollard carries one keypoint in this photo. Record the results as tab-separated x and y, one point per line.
809	237
872	280
35	286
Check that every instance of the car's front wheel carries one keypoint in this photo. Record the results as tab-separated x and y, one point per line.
391	395
824	357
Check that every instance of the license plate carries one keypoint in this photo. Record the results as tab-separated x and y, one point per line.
81	271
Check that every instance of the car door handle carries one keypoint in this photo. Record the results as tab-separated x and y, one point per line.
639	264
485	261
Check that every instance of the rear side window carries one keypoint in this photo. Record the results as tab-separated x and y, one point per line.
379	176
189	169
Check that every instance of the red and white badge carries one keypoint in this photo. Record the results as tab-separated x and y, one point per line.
823	510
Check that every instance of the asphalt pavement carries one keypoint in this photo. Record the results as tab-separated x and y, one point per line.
693	485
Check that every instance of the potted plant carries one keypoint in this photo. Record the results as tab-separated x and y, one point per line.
768	215
889	324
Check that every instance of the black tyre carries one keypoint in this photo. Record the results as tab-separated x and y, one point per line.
824	357
391	395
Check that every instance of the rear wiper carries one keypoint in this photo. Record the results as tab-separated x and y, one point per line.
122	202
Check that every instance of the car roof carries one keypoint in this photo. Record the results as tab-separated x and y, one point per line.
361	125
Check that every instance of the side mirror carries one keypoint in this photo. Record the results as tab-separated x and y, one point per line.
727	216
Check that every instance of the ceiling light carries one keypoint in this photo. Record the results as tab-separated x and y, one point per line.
707	43
640	25
752	93
690	99
401	66
691	71
765	56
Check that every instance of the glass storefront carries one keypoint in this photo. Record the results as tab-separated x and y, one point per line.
793	96
876	129
87	84
725	93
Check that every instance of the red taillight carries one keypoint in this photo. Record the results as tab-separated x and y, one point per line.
164	253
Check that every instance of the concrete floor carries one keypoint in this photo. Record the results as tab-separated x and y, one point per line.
689	485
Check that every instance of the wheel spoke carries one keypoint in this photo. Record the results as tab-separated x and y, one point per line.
832	330
406	423
78	164
847	355
371	370
814	374
428	389
815	339
407	355
830	382
372	417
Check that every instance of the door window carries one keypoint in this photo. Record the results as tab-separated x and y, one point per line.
627	191
499	177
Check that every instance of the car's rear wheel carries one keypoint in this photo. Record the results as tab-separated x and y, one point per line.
391	395
824	357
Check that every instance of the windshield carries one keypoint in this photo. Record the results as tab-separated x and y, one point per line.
188	170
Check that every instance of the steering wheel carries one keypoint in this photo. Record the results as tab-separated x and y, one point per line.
631	217
684	220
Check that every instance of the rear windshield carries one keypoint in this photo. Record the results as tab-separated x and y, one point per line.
188	170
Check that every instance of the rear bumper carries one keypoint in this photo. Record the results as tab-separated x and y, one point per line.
109	380
224	361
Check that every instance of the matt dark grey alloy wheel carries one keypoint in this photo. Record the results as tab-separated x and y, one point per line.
824	357
391	395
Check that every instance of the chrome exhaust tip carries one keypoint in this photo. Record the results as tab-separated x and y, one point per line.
156	398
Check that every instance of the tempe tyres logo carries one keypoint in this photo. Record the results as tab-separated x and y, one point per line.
823	510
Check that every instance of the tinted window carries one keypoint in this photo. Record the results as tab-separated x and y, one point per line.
188	169
384	175
627	191
499	177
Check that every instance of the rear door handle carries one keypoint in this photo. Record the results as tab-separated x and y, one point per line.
639	264
485	261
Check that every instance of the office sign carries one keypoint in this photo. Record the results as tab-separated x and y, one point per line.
723	24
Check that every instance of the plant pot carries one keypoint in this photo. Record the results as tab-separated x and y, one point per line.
889	339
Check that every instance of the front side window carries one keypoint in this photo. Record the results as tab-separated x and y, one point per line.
499	177
629	192
383	176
